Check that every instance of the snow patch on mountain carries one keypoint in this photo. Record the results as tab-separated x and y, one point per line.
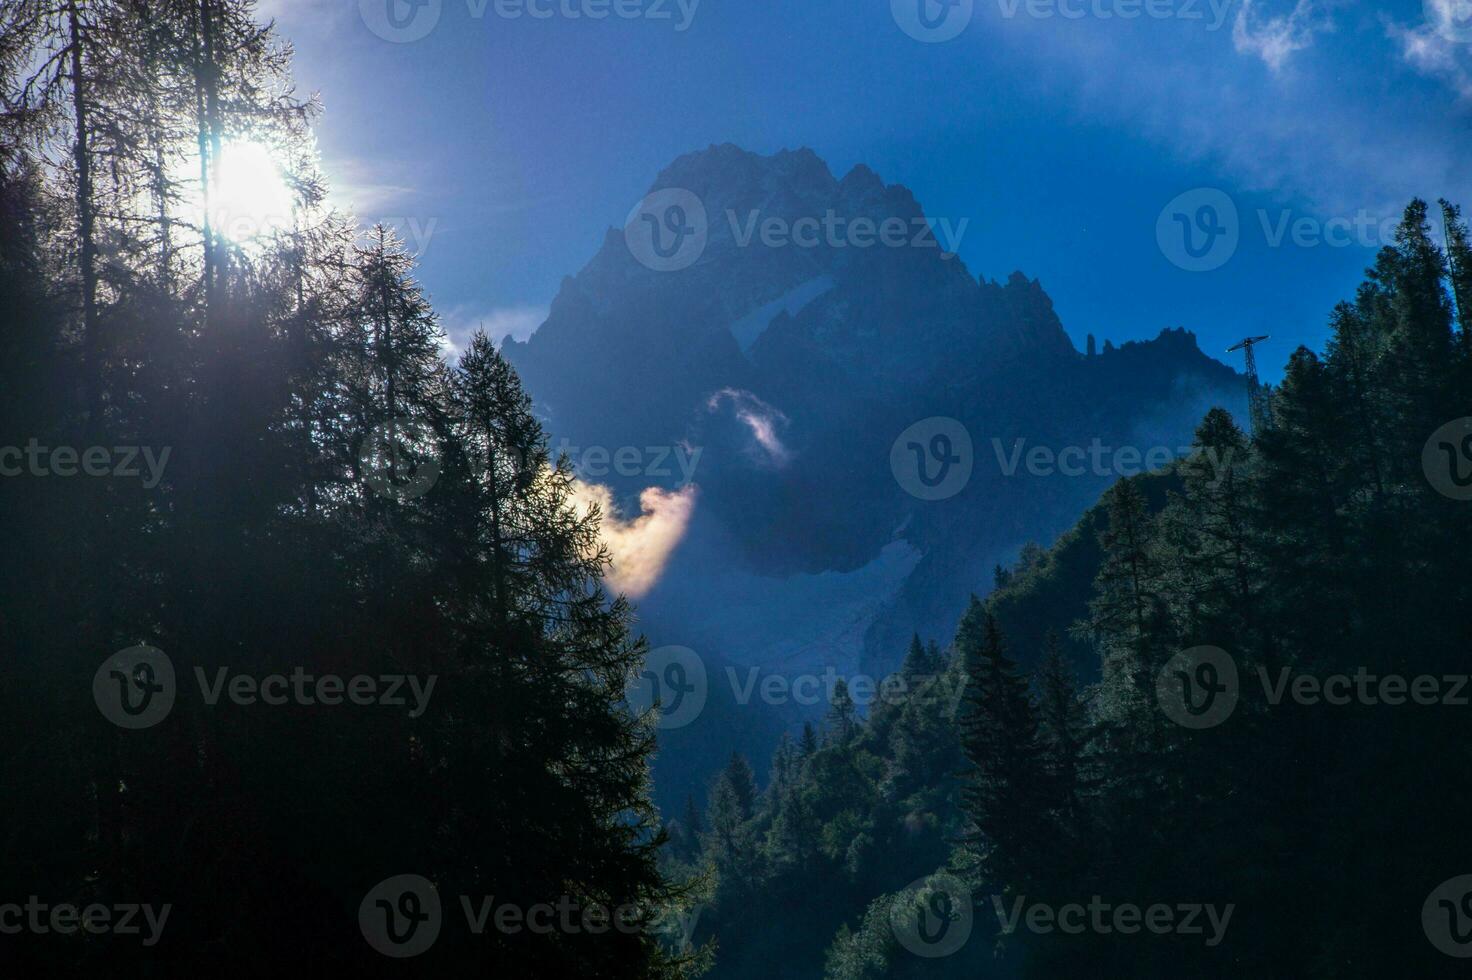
788	625
747	329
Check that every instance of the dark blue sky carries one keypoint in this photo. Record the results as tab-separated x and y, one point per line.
1060	131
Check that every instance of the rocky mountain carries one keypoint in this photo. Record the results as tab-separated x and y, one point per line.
755	309
867	319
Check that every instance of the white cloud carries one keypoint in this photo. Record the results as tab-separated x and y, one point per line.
760	418
1433	48
461	322
361	188
640	548
1452	19
1273	39
1320	132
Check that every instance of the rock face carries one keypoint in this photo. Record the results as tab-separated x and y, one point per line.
793	349
879	320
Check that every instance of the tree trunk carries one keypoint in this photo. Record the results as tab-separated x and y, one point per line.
86	222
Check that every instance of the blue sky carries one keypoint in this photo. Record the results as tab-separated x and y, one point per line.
1064	131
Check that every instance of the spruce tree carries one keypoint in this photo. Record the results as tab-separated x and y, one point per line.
1004	796
1126	609
1215	581
808	743
842	715
921	661
1063	719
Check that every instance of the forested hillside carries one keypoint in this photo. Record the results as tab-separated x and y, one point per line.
1261	772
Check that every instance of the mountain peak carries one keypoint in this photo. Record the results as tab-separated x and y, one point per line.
727	170
861	180
791	281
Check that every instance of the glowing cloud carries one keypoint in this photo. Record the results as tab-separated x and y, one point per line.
640	547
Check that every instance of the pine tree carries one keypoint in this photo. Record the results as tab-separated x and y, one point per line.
1126	608
808	744
1004	796
842	717
792	840
784	767
403	338
1355	353
1215	581
920	730
1309	482
922	663
729	840
740	779
1063	717
1420	330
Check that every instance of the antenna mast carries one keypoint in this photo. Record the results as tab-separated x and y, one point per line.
1257	408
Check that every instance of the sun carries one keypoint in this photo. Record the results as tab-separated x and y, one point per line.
249	197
